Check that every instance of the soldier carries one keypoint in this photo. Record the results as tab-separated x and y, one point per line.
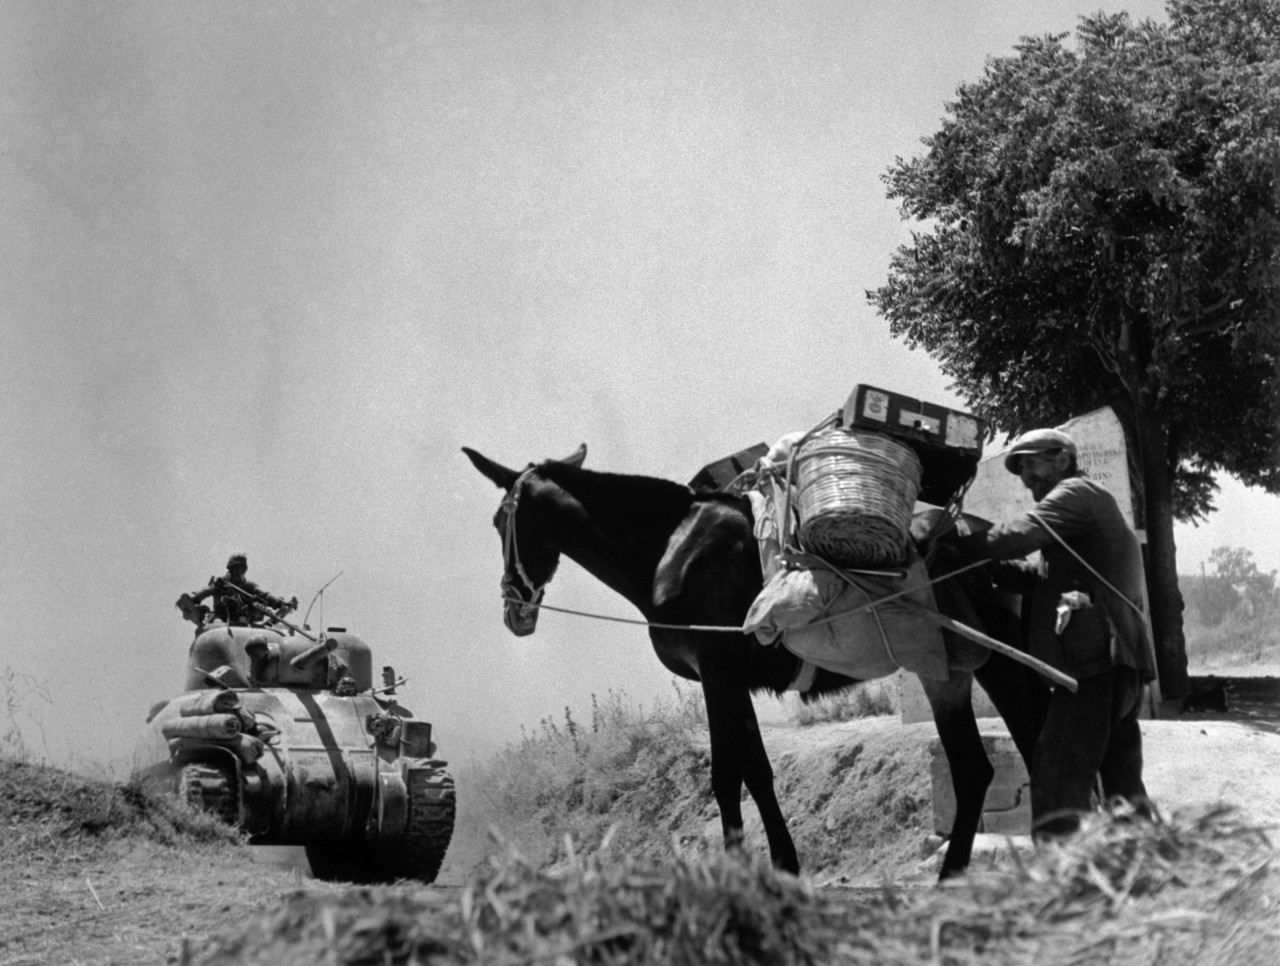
1087	600
234	596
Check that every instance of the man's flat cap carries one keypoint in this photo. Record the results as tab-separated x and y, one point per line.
1038	441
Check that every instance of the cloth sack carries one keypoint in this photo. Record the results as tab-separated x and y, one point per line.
796	607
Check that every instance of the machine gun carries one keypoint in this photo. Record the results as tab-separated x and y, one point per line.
199	614
260	603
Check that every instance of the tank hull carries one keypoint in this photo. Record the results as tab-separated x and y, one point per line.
353	777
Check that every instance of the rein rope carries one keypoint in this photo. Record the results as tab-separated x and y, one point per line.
513	571
738	630
511	552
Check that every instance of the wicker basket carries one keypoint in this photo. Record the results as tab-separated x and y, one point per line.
856	491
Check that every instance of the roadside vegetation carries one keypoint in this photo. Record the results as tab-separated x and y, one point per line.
1120	893
1232	615
571	780
871	698
46	810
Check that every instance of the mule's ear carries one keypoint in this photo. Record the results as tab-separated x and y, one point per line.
577	457
503	477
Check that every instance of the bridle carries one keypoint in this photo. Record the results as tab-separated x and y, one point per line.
517	586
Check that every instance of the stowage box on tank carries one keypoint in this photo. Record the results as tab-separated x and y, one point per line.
281	732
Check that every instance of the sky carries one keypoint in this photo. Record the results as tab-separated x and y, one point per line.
268	266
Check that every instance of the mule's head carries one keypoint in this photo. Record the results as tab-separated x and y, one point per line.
529	554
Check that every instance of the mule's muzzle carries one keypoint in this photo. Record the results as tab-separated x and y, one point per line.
521	619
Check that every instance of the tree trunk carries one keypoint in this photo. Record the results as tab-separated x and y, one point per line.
1162	560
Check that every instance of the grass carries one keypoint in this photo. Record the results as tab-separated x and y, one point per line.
1197	890
864	700
620	779
1240	640
19	693
1122	892
571	777
44	808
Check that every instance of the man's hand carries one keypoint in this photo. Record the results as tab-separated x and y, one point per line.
1071	600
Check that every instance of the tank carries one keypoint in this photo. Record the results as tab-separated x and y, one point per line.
281	732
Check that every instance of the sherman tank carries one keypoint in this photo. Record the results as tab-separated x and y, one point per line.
281	732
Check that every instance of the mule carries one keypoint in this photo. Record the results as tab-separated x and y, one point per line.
688	561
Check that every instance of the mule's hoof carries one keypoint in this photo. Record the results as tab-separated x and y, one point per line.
789	864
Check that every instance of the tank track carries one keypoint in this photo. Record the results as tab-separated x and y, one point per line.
210	788
432	810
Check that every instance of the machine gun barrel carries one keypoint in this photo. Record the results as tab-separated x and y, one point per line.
264	606
280	620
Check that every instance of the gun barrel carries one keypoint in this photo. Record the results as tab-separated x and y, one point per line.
313	654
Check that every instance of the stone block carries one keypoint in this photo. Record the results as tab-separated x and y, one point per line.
1006	794
1010	821
915	706
1008	800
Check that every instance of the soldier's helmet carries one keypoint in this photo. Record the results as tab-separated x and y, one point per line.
237	559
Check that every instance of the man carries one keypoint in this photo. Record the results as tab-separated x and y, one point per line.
234	595
1088	596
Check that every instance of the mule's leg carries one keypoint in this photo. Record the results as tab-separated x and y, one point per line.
758	774
971	771
1020	695
737	756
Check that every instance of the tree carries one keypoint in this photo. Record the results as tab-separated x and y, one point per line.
1236	585
1100	225
1235	567
1209	599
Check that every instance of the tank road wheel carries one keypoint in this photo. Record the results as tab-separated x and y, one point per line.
210	788
418	854
432	809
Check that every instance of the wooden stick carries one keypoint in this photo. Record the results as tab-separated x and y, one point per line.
1053	674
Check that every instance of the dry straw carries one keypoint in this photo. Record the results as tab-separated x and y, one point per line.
856	493
1123	892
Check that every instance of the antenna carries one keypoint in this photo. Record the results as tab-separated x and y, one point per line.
319	594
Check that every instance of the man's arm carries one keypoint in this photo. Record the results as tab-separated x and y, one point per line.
1015	576
263	596
1006	541
279	603
200	595
1065	509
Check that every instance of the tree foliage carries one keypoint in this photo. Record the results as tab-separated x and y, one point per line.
1235	584
1100	225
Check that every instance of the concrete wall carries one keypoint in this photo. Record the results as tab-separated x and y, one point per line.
1007	810
1008	804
